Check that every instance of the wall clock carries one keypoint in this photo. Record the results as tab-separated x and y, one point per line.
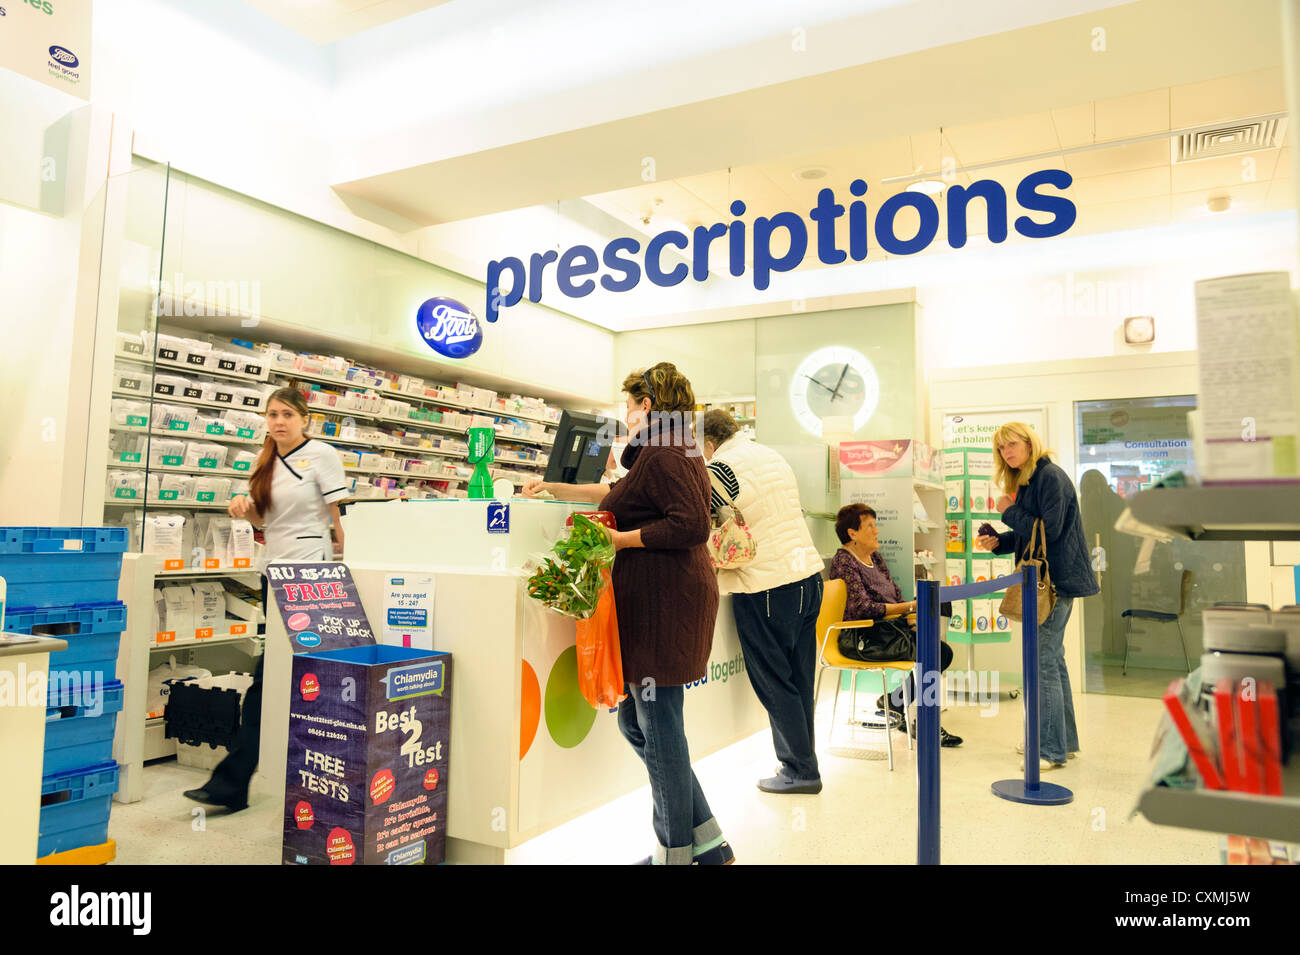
834	382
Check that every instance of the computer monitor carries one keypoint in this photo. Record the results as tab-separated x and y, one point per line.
581	448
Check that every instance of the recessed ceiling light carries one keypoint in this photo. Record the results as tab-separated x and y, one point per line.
930	187
1219	203
810	173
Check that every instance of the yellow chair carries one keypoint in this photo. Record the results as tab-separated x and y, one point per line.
830	621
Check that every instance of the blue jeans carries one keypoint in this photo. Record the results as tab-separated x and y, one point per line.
1057	734
778	634
654	727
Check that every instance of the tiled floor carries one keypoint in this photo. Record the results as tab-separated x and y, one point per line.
1139	681
865	813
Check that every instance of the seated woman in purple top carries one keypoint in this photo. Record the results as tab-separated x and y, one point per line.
873	594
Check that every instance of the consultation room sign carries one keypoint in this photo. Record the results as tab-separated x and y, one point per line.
48	41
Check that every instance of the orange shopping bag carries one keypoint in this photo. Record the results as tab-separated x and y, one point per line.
600	659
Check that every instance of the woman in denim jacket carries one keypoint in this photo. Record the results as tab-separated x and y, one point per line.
1034	488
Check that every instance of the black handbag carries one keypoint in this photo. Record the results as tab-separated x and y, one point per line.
886	640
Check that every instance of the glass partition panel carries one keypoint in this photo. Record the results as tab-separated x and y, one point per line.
132	260
1144	628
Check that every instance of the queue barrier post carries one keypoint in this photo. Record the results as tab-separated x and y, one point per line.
929	684
1031	789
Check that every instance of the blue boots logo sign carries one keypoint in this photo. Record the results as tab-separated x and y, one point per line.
449	328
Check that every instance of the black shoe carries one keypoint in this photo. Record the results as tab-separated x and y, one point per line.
214	798
945	738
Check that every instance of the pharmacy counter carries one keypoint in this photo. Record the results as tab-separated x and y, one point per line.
527	752
24	672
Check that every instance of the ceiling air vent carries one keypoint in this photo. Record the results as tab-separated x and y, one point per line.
1215	141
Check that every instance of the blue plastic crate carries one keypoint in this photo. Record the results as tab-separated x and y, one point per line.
79	619
79	728
92	632
88	660
75	808
61	566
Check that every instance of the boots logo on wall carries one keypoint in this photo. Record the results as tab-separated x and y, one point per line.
449	328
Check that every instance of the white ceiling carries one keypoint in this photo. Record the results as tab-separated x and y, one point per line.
483	145
1227	76
327	21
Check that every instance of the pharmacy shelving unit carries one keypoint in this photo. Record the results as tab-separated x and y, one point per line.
1266	512
965	626
928	534
513	447
744	408
141	735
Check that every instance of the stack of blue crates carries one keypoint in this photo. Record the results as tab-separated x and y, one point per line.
62	582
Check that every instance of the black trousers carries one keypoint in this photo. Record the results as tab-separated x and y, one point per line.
778	635
233	774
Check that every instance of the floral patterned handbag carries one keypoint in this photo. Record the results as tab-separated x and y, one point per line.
731	544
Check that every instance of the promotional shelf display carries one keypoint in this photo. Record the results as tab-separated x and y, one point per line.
970	497
369	731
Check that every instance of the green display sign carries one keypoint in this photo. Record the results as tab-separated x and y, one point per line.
168	495
180	426
131	457
207	462
173	460
205	496
216	429
246	432
136	421
242	465
124	492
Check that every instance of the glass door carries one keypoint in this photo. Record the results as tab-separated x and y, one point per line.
1152	594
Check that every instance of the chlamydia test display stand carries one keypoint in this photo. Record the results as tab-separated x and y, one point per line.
369	730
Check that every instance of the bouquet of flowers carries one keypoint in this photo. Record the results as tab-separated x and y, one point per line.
572	582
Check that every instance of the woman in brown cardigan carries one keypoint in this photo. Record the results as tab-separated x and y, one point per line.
667	600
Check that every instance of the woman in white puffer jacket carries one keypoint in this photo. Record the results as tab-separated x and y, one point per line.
776	597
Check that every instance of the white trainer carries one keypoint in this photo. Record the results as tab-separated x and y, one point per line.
1044	766
1020	751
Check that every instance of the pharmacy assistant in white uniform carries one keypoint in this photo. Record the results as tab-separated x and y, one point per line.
305	482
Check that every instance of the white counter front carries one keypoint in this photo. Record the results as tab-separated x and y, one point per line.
527	751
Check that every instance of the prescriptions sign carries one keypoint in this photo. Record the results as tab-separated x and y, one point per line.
577	269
